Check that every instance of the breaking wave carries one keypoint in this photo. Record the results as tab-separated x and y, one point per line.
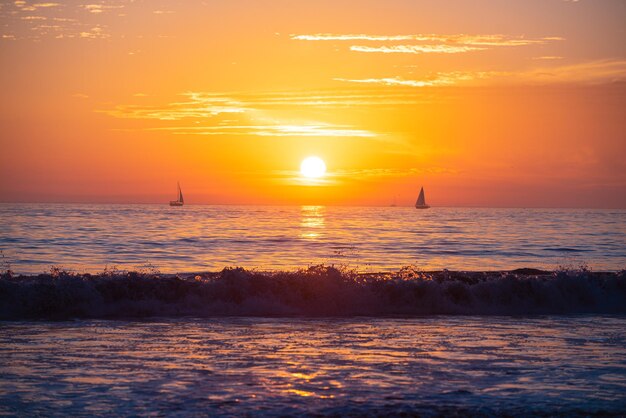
316	291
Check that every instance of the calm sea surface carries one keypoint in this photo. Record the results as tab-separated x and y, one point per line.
34	237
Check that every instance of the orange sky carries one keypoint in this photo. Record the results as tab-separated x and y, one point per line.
488	103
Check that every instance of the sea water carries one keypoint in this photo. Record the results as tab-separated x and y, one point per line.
428	366
317	342
88	238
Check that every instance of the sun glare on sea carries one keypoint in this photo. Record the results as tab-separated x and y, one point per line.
312	167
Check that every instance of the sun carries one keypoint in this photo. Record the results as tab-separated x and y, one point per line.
312	167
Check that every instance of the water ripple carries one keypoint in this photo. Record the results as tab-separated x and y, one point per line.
89	237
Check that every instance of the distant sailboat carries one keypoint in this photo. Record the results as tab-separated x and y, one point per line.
180	200
421	201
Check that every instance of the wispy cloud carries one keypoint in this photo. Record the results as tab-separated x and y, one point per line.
360	175
427	43
96	32
202	105
394	81
440	79
416	49
198	106
392	172
548	58
593	72
97	8
31	7
307	130
359	37
71	20
459	39
250	116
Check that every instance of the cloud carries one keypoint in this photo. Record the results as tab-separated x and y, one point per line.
441	79
461	39
202	105
100	7
416	49
22	19
392	172
436	43
306	130
338	176
93	8
96	32
427	43
548	58
360	37
24	6
199	106
392	81
204	109
592	72
334	99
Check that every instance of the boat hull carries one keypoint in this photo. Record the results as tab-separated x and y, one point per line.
422	206
175	203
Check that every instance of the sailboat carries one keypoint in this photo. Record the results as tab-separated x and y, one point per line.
421	201
180	201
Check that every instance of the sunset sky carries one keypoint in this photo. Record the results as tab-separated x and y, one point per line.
484	103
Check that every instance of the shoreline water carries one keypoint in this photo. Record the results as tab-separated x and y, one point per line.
428	366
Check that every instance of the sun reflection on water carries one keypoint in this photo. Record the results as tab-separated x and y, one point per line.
312	222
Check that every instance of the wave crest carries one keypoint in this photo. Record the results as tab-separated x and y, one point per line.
316	291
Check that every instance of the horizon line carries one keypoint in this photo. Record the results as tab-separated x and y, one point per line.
306	204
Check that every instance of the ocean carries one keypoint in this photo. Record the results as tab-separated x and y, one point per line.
426	366
88	238
133	310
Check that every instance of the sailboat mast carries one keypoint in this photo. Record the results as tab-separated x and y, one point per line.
179	198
